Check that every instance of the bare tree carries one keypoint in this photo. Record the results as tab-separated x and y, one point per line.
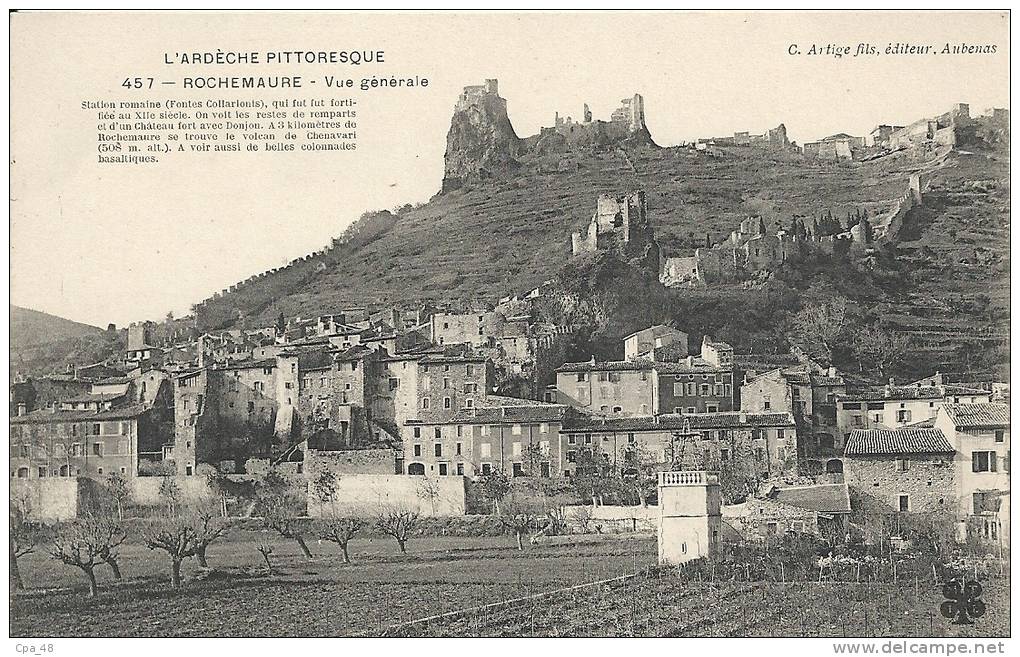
335	525
88	542
280	511
340	530
428	489
117	488
210	526
23	539
519	514
178	536
265	549
879	350
398	523
278	514
820	328
583	516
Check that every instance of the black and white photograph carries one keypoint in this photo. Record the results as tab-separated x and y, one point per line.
505	324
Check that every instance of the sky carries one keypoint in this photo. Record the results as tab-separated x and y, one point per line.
118	243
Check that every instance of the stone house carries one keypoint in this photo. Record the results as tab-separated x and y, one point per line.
518	437
894	407
707	441
817	509
901	470
980	435
608	388
89	443
644	342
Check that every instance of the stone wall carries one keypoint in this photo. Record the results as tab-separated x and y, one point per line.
48	499
369	494
878	483
359	461
145	490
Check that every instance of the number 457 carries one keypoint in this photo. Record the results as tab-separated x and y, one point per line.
137	83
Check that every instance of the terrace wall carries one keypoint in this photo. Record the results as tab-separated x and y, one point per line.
368	494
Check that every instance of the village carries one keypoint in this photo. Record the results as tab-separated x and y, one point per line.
417	420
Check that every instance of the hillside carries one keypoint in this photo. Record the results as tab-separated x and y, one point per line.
504	226
40	341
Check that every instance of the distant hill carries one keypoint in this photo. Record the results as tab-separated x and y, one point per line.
30	328
42	343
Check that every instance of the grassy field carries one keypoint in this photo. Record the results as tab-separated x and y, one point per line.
383	591
317	597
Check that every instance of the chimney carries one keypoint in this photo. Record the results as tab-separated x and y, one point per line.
832	371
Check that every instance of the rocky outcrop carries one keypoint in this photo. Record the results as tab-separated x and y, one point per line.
481	142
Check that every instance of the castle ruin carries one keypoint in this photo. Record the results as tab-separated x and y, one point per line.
619	222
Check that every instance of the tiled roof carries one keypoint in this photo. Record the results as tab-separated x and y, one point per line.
48	417
677	422
823	380
956	390
874	442
608	366
824	498
895	393
696	365
978	415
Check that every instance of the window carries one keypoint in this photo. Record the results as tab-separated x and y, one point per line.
983	462
768	405
516	430
572	439
100	471
571	456
443	469
486	450
518	470
631	439
394	383
902	465
417	450
904	503
438	432
705	390
460	448
581	376
858	421
446	383
517	449
903	415
188	470
95	429
678	389
287	385
439	449
587	439
1000	436
425	401
259	386
97	449
470	369
780	434
42	471
417	432
469	403
460	468
712	408
603	376
724	454
447	402
877	418
484	430
251	407
486	468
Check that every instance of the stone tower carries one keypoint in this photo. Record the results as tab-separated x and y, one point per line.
690	516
